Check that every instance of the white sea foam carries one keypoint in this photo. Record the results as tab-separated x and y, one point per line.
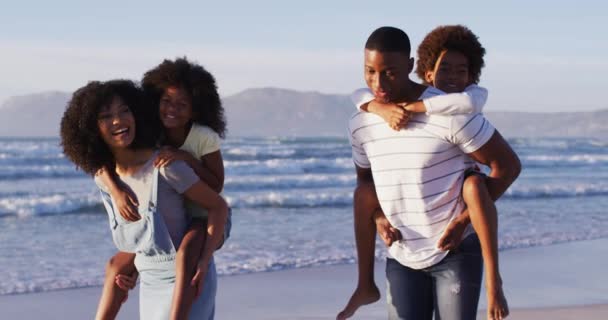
531	190
47	204
572	158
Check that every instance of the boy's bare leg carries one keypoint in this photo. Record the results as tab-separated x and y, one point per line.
186	261
112	296
365	203
482	212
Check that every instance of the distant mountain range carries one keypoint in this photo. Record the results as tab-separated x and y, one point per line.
281	112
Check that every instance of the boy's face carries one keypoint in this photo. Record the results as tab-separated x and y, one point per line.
387	74
451	73
175	108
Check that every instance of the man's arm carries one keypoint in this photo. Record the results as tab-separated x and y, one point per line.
364	175
504	164
504	169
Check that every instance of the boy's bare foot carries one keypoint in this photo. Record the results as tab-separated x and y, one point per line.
498	308
360	297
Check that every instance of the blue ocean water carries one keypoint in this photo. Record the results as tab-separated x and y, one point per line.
291	200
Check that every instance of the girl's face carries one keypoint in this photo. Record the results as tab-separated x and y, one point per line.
451	73
116	124
175	108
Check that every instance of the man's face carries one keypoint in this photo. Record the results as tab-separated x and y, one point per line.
451	73
387	74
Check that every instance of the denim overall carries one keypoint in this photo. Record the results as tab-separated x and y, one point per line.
154	252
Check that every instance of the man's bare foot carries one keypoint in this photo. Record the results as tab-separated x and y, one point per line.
360	297
498	308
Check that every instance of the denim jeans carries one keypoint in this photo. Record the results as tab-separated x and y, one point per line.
449	288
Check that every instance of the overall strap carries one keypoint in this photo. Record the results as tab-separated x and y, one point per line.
107	203
154	194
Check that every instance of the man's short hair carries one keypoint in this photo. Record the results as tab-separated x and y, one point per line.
389	39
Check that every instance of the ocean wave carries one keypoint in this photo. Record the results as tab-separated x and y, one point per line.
288	166
30	148
572	189
294	198
565	159
255	152
273	192
557	143
288	181
21	287
240	259
16	172
48	204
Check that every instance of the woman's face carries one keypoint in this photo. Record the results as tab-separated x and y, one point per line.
175	108
116	124
451	72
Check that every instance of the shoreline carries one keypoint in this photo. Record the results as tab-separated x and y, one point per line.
562	281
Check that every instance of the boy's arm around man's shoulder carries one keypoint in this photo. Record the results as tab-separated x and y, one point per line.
472	100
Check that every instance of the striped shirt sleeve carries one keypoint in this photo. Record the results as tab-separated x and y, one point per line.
361	96
470	132
359	156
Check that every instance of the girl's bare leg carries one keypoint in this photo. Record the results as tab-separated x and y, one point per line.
112	296
365	203
485	221
187	258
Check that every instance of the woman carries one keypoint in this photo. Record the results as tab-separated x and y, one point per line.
107	125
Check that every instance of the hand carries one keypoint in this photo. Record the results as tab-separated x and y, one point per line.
417	106
166	155
126	282
199	277
452	236
126	203
385	230
393	114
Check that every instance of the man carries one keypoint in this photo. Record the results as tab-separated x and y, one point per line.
418	174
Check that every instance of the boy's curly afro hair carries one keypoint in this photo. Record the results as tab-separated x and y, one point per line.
197	82
80	137
453	38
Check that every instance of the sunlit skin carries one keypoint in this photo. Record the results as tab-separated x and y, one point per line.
451	73
175	110
116	124
387	76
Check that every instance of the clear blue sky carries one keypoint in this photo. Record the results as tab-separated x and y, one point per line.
542	55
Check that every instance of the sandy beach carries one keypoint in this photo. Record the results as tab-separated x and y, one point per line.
564	281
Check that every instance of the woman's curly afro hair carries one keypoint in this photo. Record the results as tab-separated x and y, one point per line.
453	38
197	82
80	137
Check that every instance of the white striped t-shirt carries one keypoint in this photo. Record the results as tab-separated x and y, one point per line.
418	174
